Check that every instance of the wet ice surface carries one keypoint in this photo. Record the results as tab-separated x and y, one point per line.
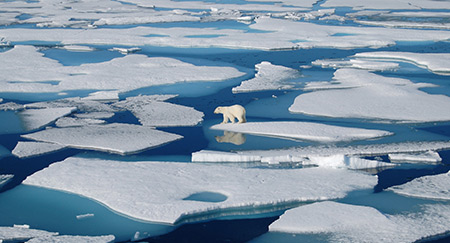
129	87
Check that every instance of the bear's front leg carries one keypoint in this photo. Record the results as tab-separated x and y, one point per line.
225	119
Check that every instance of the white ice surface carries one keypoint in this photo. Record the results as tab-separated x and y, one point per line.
108	137
330	161
351	223
4	179
268	77
303	130
103	96
73	239
82	105
160	189
22	233
357	63
361	94
436	62
153	111
10	106
423	157
109	75
36	118
29	149
387	4
77	122
95	115
432	187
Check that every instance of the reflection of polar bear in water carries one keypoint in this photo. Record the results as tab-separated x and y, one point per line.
231	137
231	112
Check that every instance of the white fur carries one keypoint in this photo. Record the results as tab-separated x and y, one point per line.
231	112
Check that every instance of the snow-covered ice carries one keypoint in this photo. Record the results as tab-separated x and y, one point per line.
95	115
73	239
433	187
22	233
268	77
161	190
36	118
436	62
422	157
103	96
153	111
109	137
77	122
351	223
343	161
109	75
29	149
82	105
361	94
388	5
304	131
222	157
357	63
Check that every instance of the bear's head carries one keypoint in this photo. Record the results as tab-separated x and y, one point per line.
218	110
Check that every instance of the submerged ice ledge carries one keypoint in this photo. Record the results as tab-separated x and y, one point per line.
160	189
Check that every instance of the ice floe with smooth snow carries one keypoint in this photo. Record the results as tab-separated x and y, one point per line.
357	63
29	149
153	111
438	63
268	77
361	94
36	118
165	191
330	161
432	187
4	179
109	75
73	239
386	4
109	137
351	223
77	122
22	233
82	105
304	131
421	157
103	96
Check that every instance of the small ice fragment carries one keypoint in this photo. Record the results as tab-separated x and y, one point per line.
36	118
4	179
419	157
126	50
30	149
84	216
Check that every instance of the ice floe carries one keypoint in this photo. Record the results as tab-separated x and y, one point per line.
95	115
82	105
77	122
386	4
73	239
107	137
351	223
421	157
268	77
22	233
436	62
29	149
357	63
4	179
330	161
153	111
303	130
164	191
103	96
36	118
100	76
432	187
361	94
11	106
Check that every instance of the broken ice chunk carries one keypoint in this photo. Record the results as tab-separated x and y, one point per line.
73	239
218	156
30	149
418	157
22	233
76	122
433	187
343	161
36	118
4	179
103	96
108	137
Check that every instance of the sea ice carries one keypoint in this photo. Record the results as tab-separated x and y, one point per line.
432	187
303	130
268	77
4	179
103	96
82	105
361	94
30	149
438	63
77	122
162	190
422	157
11	106
357	63
73	239
153	111
108	137
22	233
223	157
343	161
95	115
36	118
351	223
386	4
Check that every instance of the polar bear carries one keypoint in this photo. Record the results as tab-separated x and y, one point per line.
231	112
